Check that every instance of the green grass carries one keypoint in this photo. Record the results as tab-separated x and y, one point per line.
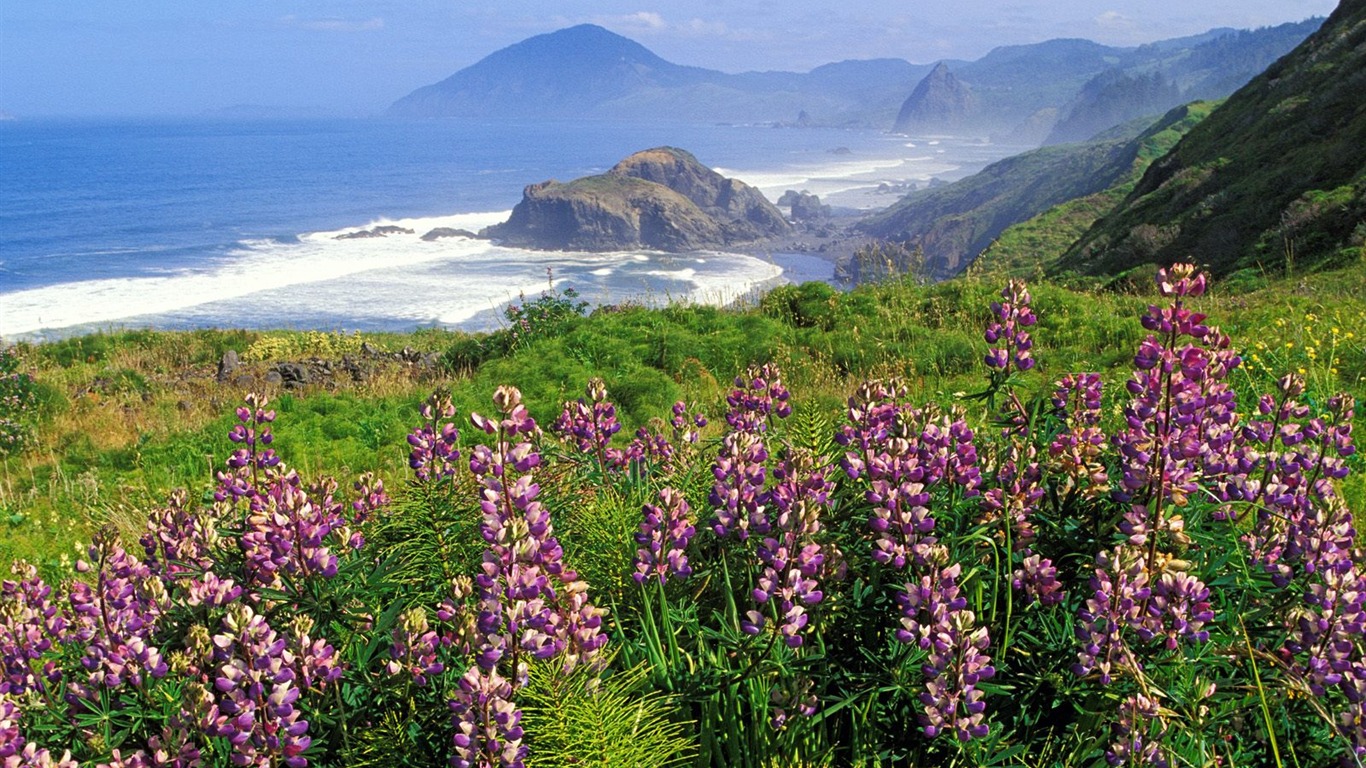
127	417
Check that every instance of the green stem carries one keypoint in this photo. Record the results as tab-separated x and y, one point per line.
1261	694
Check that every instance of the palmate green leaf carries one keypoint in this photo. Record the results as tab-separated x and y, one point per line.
587	719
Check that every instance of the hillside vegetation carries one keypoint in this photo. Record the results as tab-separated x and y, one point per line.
1271	183
1031	247
956	222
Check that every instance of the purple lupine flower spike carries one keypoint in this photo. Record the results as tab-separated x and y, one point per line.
758	397
663	538
1012	316
434	453
589	424
936	618
30	622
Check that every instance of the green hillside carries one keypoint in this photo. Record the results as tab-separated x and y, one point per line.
1028	248
954	223
1273	182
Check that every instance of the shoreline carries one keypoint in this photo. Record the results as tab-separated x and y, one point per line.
313	279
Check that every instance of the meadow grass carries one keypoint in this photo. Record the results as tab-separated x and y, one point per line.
124	417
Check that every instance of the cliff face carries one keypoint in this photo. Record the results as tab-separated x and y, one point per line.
659	199
939	103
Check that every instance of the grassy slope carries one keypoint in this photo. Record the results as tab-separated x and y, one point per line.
1029	248
127	417
1273	181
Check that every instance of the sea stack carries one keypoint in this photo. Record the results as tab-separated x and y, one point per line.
658	199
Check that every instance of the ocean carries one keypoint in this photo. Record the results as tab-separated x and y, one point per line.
220	223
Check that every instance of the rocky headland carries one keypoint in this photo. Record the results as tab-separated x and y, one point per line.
658	199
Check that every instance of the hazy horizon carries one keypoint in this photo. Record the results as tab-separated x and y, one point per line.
155	58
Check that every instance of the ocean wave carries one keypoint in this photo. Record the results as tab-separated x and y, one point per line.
390	282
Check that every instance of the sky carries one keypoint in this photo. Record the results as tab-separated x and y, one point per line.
185	57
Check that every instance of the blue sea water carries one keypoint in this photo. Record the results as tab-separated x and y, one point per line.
192	223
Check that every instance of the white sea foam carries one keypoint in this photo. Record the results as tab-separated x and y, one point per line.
255	266
850	183
400	280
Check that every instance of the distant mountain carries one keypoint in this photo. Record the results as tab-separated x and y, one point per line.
952	224
1017	93
550	75
1111	98
1016	81
1273	181
662	199
587	71
940	103
1067	90
1157	77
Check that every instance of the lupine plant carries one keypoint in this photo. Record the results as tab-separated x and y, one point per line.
1064	569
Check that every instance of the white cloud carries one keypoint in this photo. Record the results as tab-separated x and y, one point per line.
638	23
652	23
334	24
1114	20
646	18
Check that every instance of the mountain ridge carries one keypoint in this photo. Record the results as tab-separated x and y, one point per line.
954	223
1018	92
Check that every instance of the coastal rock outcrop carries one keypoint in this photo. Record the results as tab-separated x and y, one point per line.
939	103
659	199
380	231
808	207
440	232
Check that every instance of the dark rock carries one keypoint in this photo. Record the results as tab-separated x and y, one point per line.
382	231
789	197
353	369
440	232
369	350
292	374
807	207
273	377
227	365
